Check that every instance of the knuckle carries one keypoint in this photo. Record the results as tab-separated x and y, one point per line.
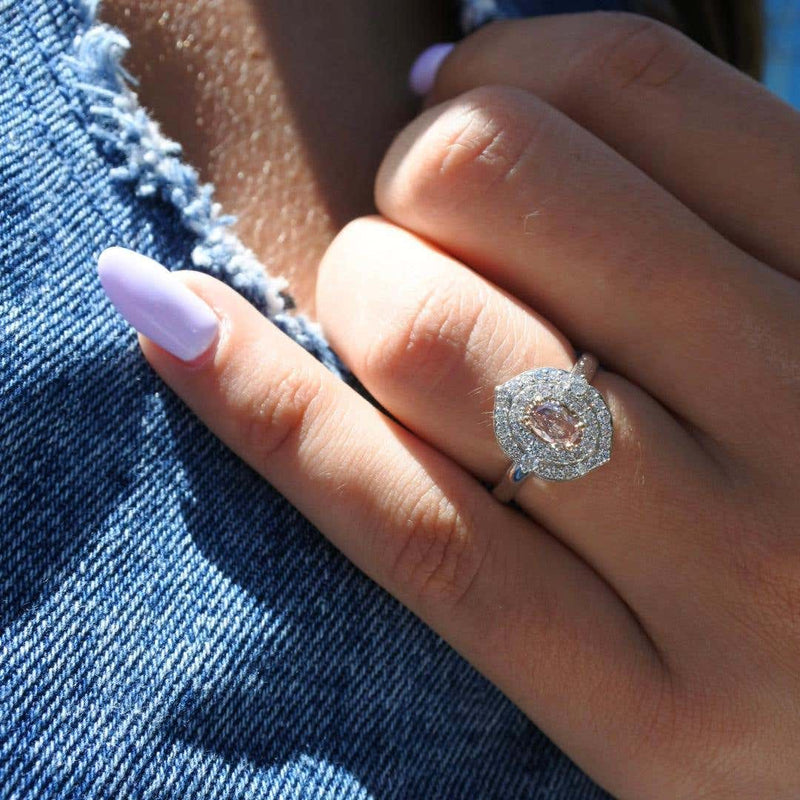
428	341
631	52
659	718
437	555
767	605
479	142
682	711
276	415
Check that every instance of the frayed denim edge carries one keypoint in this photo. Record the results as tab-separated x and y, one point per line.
152	162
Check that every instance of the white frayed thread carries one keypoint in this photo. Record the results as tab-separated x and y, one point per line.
153	164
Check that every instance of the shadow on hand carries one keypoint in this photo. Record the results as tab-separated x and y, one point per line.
347	83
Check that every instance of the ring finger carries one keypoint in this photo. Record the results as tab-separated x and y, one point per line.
431	339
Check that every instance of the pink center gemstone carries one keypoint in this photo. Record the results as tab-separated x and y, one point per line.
554	424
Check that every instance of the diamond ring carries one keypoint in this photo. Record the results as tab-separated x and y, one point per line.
552	424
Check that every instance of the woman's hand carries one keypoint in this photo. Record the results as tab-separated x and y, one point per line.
619	191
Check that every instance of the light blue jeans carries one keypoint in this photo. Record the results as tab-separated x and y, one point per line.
170	626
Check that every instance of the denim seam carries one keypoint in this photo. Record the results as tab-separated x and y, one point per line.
153	164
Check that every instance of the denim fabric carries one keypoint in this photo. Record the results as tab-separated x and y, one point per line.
782	68
169	626
475	13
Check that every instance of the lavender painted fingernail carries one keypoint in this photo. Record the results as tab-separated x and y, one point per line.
156	303
423	72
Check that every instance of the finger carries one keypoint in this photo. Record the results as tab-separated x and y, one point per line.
709	134
431	339
518	191
524	609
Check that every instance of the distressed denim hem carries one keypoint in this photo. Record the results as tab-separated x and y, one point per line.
153	164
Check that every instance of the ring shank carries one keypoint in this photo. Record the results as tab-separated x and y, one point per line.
506	489
586	366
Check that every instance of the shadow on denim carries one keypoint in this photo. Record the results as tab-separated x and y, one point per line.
62	473
41	536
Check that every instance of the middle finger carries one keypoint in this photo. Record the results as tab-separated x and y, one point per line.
540	206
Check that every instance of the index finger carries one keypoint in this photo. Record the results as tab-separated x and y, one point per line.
515	601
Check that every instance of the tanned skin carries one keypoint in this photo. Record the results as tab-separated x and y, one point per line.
287	107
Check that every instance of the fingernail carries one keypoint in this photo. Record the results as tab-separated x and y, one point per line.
156	303
423	72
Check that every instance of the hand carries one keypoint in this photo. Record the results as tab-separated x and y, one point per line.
622	192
